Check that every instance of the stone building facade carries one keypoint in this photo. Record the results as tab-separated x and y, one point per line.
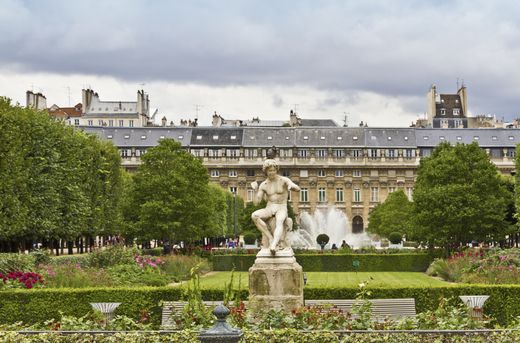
352	169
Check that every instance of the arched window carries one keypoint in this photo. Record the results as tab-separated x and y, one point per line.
357	224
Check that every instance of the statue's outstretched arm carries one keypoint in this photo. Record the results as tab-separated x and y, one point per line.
291	185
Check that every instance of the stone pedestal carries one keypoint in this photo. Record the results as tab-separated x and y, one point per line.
275	282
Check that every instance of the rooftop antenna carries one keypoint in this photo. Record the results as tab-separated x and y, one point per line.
142	85
68	92
457	83
296	107
197	108
32	87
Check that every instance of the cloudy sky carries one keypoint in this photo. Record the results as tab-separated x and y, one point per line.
370	60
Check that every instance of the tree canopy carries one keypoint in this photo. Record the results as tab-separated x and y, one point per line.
459	196
393	215
57	182
172	197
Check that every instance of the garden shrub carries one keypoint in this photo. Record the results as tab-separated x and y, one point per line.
478	266
279	336
41	256
75	276
178	266
336	262
111	256
395	237
78	259
37	305
249	238
14	262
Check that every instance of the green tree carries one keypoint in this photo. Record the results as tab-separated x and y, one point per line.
57	182
171	194
394	215
459	197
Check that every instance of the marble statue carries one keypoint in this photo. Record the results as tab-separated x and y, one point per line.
273	220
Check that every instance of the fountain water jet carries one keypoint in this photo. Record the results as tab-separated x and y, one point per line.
332	222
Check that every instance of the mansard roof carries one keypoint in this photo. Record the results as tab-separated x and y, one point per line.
212	136
141	137
289	137
486	138
389	137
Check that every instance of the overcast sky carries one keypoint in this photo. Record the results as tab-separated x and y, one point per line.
370	60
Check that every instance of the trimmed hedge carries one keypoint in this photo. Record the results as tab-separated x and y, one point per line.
281	336
38	305
501	305
336	262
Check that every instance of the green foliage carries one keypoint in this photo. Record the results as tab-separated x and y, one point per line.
178	267
322	239
75	276
279	336
41	256
404	262
491	267
111	256
13	262
500	305
394	215
58	182
195	313
459	197
38	305
171	196
395	237
451	314
249	238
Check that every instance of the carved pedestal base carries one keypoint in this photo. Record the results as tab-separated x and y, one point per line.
275	282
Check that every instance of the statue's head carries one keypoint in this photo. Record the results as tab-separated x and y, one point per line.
270	164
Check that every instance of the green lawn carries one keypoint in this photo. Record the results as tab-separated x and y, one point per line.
338	279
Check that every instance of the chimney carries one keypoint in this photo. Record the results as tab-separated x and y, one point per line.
35	100
293	119
462	92
431	108
163	121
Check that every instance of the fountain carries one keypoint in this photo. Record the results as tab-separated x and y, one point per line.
332	222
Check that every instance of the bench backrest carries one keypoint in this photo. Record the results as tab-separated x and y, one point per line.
170	307
381	308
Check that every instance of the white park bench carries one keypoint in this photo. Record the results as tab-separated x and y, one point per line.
381	308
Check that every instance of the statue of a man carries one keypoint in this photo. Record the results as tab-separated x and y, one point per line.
276	190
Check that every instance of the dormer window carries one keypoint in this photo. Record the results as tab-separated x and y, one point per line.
456	111
233	137
181	137
215	137
269	138
354	138
340	138
322	138
143	137
443	111
305	137
199	138
389	138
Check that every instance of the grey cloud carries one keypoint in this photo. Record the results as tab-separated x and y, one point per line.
394	49
278	101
